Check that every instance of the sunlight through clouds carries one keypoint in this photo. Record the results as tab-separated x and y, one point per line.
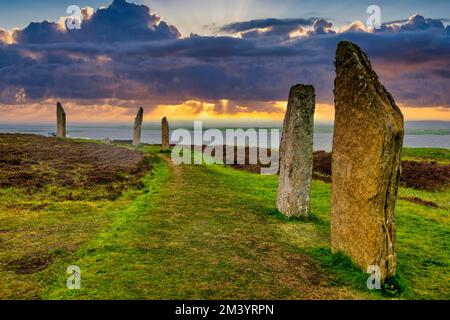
143	59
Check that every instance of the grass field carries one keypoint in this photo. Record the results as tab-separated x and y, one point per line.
427	154
205	232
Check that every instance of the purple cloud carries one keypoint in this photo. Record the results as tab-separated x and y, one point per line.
125	52
121	21
414	23
245	26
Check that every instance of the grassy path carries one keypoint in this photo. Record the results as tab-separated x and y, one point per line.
202	232
212	232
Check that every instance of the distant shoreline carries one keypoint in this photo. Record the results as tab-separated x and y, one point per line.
322	140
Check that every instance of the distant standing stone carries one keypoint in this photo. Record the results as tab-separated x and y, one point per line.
367	144
296	153
107	140
165	134
138	127
60	121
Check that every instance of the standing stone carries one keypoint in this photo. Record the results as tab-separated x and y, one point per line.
138	127
60	121
165	134
367	143
296	153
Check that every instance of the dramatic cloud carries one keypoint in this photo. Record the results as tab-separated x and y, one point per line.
5	36
266	23
281	28
414	23
126	53
322	26
42	32
121	21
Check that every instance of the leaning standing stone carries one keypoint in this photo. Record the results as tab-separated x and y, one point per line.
367	143
165	134
138	127
60	121
296	153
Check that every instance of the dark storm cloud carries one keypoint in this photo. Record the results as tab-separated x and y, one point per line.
40	32
322	26
266	23
280	28
125	52
414	23
121	21
405	61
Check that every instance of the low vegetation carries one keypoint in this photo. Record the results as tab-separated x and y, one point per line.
198	232
422	169
36	163
427	154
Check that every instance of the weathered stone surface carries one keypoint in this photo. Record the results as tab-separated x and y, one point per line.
367	143
138	127
60	121
296	153
165	134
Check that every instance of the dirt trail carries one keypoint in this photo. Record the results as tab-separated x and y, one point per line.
237	252
174	169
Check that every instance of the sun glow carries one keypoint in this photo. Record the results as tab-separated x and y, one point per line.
114	111
299	33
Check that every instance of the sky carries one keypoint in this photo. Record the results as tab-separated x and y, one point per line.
212	60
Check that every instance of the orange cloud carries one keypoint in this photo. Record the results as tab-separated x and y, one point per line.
6	36
223	110
426	113
116	111
45	112
275	110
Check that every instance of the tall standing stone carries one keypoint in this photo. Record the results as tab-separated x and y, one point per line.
296	153
165	134
60	121
367	143
138	127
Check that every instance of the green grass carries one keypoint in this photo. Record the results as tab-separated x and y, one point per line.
36	229
222	243
426	154
423	236
110	262
209	232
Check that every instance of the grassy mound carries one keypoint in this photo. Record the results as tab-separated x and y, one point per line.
35	163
